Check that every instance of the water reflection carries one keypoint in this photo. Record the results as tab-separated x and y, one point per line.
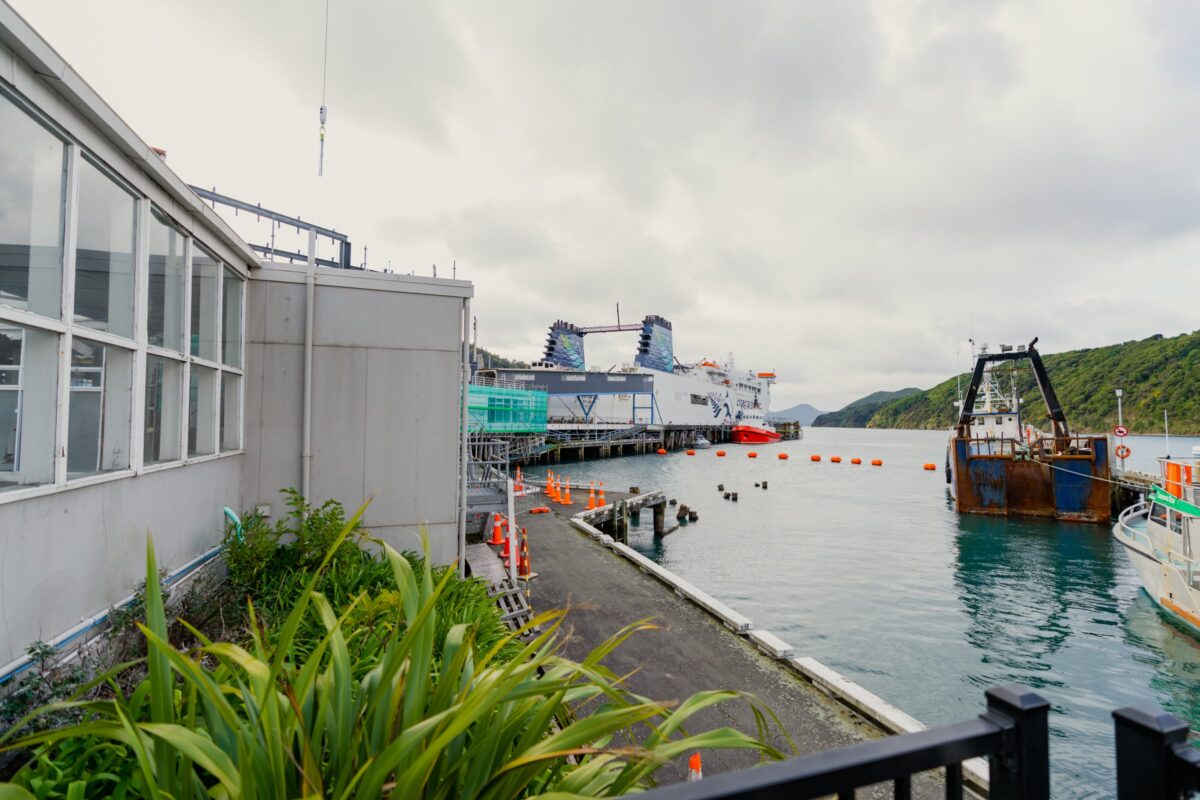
1173	653
1024	585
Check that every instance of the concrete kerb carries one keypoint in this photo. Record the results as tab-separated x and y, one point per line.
865	704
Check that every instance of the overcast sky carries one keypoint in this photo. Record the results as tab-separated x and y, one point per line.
840	191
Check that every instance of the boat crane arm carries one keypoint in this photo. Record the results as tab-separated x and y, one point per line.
1057	418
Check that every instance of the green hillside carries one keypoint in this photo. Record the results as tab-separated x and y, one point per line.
1156	373
487	359
859	413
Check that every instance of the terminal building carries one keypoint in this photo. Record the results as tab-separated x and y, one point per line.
155	369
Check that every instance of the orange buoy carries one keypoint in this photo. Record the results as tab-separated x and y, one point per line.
931	467
856	461
752	454
836	459
691	452
720	454
814	458
782	456
876	462
662	452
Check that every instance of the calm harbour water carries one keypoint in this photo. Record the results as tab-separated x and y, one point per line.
871	571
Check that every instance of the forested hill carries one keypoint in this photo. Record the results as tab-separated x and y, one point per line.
859	413
1156	373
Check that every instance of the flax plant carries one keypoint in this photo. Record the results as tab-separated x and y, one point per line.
262	721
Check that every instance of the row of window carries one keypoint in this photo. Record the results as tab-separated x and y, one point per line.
116	328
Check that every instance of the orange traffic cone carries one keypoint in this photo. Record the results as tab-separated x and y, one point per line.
506	553
695	770
591	496
600	503
523	570
566	501
497	538
517	487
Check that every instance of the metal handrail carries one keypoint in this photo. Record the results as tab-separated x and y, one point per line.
1013	733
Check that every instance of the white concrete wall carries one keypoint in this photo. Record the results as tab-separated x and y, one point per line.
386	365
69	555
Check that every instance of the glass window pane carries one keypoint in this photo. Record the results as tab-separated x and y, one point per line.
165	308
202	419
231	418
28	388
33	169
231	319
104	253
164	409
206	271
99	412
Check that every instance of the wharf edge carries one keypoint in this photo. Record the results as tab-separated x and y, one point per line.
856	702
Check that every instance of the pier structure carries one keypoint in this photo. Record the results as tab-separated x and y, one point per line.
789	429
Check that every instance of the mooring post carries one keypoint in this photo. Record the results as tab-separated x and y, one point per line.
660	518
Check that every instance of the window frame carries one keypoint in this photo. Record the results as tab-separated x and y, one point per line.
66	329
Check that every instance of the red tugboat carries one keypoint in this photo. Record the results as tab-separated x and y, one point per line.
750	425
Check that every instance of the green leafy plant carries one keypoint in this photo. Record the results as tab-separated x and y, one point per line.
223	720
249	553
45	683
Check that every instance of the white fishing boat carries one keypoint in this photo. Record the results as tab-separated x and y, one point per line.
700	443
1162	537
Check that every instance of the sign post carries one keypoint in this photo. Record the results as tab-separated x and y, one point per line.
1121	431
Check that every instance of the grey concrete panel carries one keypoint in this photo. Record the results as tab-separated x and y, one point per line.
274	416
71	554
283	315
443	539
412	452
339	431
360	318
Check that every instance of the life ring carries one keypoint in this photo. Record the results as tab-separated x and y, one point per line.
1123	451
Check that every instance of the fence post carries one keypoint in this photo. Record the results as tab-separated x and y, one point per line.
1145	749
1021	770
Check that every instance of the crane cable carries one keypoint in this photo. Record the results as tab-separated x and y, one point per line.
324	111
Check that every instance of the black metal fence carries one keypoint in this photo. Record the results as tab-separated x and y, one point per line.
1154	759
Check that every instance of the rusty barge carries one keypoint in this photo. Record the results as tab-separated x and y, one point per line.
996	464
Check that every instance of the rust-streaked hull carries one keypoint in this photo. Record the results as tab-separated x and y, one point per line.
1065	486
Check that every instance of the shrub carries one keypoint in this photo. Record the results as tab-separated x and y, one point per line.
224	720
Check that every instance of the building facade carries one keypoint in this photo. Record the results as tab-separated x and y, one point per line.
153	372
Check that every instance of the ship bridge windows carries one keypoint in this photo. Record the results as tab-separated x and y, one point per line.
699	400
99	291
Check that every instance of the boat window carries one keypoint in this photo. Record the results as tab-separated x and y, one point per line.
1158	512
1177	522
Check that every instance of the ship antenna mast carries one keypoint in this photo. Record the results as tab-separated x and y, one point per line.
324	111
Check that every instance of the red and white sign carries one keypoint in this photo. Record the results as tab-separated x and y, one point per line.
1121	431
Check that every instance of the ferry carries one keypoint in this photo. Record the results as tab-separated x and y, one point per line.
1161	535
656	389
